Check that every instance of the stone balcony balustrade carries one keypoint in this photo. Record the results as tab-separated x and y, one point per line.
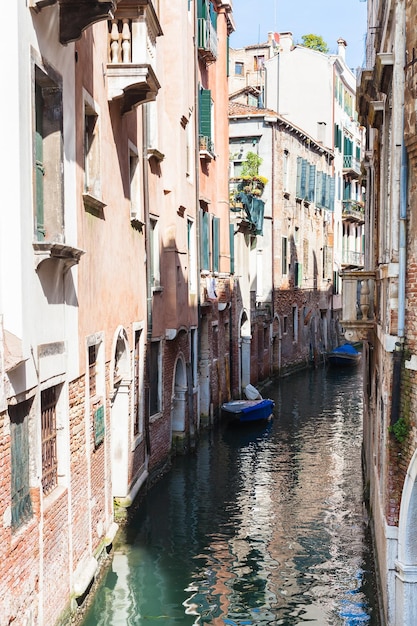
131	62
358	304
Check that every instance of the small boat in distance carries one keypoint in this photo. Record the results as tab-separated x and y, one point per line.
345	355
254	409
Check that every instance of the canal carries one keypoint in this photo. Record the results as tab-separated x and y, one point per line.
261	525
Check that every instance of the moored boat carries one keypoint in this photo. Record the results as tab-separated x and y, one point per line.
344	355
245	411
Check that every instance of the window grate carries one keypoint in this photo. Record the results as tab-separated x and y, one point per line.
92	361
136	382
21	509
49	456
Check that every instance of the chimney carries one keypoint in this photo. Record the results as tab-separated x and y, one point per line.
341	48
286	41
321	132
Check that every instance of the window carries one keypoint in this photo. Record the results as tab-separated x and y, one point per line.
151	115
96	386
49	440
258	62
192	256
48	159
92	183
215	340
295	323
154	250
206	120
303	175
311	183
135	187
337	137
285	169
155	382
137	417
92	370
284	256
239	68
19	451
285	324
298	274
205	240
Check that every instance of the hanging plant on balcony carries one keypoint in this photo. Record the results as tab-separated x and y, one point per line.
249	182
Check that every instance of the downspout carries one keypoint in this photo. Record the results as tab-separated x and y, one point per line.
197	206
403	236
273	132
145	165
399	346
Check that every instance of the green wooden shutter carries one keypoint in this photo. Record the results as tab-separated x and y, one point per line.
205	112
202	9
39	165
205	240
216	243
21	504
299	169
319	189
213	15
332	193
304	173
311	183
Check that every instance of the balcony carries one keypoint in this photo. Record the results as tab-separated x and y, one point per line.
351	166
358	305
62	253
131	76
353	211
352	258
77	15
206	40
206	148
246	205
383	70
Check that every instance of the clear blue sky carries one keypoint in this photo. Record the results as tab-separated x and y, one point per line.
329	18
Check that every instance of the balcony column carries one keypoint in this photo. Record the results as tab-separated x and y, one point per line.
364	299
126	41
114	42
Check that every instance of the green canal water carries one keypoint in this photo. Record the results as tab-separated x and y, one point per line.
261	525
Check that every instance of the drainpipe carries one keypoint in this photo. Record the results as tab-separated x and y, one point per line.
197	209
145	165
402	246
399	346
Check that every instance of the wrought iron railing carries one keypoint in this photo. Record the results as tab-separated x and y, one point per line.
351	163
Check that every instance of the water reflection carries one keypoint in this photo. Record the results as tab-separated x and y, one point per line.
261	526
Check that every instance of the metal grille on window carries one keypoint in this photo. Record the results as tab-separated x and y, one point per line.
19	452
92	358
49	456
136	425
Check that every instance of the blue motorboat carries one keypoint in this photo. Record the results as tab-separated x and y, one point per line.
245	411
344	355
